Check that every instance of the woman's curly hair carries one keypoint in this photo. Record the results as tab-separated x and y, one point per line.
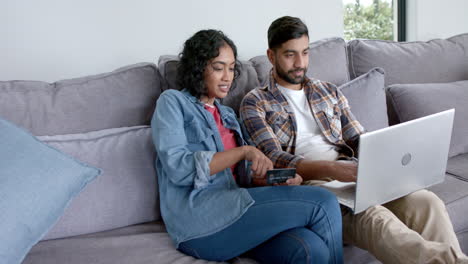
198	51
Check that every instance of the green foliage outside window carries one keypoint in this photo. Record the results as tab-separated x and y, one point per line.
374	21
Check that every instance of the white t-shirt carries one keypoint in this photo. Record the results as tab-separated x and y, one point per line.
310	142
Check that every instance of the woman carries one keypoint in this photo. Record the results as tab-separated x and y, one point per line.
199	142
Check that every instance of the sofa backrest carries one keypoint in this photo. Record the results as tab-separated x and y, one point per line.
247	80
327	62
101	120
434	61
124	97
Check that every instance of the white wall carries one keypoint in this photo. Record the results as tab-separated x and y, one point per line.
429	19
50	40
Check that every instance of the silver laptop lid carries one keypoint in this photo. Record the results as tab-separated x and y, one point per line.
403	158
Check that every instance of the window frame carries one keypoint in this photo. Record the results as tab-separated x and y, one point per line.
401	20
399	13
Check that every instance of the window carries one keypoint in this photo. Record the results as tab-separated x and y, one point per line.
375	19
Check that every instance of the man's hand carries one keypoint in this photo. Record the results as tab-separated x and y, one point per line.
345	171
297	180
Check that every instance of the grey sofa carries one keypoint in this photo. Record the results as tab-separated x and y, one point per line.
103	120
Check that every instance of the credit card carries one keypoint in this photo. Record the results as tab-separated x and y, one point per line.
280	175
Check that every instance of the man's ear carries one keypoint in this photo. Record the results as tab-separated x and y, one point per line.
271	56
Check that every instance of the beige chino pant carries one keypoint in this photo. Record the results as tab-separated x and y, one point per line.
413	229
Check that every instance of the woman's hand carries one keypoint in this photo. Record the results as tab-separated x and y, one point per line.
259	167
260	162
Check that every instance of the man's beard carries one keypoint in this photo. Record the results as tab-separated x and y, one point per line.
288	76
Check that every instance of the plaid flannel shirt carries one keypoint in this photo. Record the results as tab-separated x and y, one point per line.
270	124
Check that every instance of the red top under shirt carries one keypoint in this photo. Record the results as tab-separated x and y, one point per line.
227	135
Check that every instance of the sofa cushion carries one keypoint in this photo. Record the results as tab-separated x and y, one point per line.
461	39
355	255
167	66
124	97
247	80
439	60
245	83
458	167
411	101
366	97
139	244
327	62
463	240
125	193
36	184
146	243
454	193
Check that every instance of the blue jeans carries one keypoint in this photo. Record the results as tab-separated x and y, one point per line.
287	224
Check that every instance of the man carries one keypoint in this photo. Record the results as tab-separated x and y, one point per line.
307	124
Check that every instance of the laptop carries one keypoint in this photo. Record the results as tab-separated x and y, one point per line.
398	160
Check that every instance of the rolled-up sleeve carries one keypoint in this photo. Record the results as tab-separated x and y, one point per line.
202	164
182	166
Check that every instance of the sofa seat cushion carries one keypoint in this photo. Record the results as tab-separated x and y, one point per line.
37	183
355	255
463	240
327	62
366	97
139	244
125	193
454	193
458	166
124	97
438	60
411	101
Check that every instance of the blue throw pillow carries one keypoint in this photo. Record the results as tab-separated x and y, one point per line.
36	184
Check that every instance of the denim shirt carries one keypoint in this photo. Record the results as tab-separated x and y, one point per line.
193	202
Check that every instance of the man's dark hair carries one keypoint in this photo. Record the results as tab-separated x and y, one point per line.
284	29
197	52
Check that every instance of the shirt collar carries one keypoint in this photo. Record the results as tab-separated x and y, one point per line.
187	94
195	100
